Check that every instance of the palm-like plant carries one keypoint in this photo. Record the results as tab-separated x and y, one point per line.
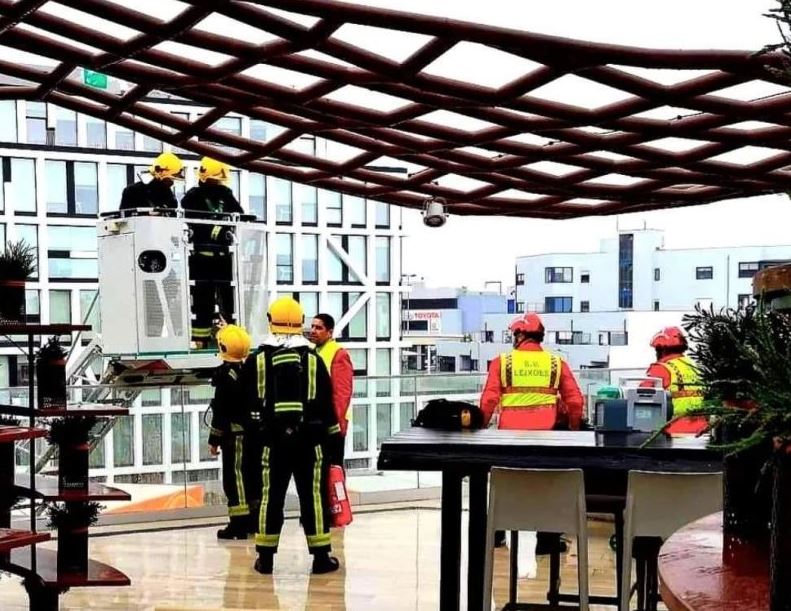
17	261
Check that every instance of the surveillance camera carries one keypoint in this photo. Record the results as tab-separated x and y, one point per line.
434	214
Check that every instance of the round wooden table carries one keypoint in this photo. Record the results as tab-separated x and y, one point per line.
701	571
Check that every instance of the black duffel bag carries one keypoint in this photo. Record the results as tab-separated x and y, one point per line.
449	415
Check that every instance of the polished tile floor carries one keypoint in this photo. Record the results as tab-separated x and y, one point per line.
390	561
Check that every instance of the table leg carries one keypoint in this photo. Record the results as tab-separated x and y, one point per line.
450	553
476	540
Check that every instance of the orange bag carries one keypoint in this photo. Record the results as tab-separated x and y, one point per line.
340	508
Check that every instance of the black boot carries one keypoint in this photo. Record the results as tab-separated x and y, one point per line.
237	529
499	538
264	564
324	563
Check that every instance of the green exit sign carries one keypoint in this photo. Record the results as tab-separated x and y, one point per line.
94	79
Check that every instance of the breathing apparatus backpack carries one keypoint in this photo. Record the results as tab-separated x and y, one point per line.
449	415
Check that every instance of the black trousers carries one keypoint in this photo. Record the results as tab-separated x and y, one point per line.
233	476
212	273
305	461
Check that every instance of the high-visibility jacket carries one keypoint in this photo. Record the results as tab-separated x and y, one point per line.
530	382
538	417
680	378
339	365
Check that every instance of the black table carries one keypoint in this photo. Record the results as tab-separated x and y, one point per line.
474	453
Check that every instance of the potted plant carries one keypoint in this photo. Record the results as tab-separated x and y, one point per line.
17	264
51	375
71	436
728	375
72	520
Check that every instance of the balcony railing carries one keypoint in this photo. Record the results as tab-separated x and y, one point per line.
159	453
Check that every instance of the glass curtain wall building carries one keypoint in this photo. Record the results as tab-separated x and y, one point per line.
334	253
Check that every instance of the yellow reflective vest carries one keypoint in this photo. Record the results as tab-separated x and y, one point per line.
327	353
529	379
685	387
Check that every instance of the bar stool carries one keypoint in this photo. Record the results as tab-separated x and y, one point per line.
546	500
657	505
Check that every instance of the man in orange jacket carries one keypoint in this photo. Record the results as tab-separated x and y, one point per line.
679	377
528	385
338	363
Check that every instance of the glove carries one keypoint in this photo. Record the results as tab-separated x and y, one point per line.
335	446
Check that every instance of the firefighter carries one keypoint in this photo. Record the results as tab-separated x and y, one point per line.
288	392
227	429
157	192
679	377
210	264
339	365
526	385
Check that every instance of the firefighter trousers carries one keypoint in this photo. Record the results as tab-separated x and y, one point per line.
306	462
233	477
211	274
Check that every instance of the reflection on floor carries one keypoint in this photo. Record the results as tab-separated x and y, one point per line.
390	560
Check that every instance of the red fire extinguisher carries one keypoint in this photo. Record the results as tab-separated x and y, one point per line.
340	508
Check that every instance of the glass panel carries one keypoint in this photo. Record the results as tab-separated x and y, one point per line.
2	190
8	122
96	457
308	199
230	125
384	423
124	139
123	441
59	307
152	438
115	185
33	304
310	305
233	184
334	306
358	326
331	203
86	299
335	266
258	129
382	246
257	195
65	126
310	258
86	190
203	433
180	437
23	182
405	416
382	214
55	187
36	122
355	209
360	428
29	233
358	255
285	258
95	133
279	191
152	144
383	315
76	239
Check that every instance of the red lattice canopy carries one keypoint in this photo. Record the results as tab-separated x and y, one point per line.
574	129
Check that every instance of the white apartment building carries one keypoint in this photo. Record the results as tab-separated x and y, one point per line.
334	253
601	308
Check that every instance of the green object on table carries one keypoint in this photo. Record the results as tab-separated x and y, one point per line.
609	392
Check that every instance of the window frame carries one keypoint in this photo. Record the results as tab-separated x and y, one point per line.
705	272
551	275
554	299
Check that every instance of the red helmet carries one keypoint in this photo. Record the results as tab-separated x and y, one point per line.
669	337
529	323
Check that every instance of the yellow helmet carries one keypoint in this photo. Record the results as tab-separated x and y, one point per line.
167	165
286	316
234	343
211	169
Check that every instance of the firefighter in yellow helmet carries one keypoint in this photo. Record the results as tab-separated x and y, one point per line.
288	391
157	192
211	262
227	429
